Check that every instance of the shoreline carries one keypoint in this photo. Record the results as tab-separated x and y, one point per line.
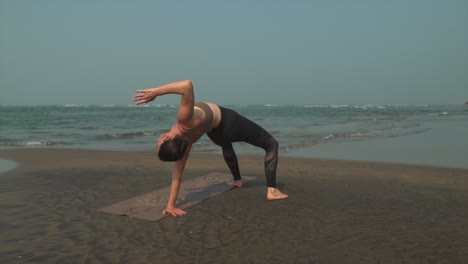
327	152
445	147
26	159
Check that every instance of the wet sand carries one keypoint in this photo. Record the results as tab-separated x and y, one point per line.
337	212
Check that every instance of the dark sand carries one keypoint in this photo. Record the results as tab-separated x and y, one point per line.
337	212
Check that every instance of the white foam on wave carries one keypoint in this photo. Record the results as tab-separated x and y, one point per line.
339	106
326	106
364	107
359	134
315	106
438	114
33	143
37	143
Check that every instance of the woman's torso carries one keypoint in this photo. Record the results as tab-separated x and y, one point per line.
206	116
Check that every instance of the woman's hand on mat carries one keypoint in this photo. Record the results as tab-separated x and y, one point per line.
174	211
145	96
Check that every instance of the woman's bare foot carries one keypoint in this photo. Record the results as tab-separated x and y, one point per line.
237	183
275	194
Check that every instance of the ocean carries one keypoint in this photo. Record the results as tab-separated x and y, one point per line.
296	127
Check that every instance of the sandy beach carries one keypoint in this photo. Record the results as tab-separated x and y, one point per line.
337	212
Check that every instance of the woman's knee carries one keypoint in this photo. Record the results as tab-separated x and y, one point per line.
271	148
272	144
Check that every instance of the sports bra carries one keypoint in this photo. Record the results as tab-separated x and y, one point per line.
208	114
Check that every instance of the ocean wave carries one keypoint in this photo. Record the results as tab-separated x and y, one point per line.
293	126
305	141
12	143
438	114
91	105
333	106
38	143
125	135
316	106
155	105
327	106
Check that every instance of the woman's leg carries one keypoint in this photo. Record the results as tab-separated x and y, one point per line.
235	128
257	136
231	160
271	160
229	154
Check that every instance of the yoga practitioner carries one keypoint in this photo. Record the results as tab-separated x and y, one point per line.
223	126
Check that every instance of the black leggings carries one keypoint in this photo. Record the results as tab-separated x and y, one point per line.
235	128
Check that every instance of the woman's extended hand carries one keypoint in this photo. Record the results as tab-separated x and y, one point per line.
173	211
145	96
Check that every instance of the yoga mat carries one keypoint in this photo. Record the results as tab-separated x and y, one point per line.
149	206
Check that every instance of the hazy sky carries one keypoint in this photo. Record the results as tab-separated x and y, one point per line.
235	52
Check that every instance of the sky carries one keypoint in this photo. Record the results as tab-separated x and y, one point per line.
412	52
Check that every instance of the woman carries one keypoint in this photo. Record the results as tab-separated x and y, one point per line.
223	126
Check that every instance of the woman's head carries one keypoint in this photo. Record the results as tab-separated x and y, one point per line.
171	149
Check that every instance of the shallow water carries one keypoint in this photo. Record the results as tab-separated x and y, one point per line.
438	146
6	165
136	128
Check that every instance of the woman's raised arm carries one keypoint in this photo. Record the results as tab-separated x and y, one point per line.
184	88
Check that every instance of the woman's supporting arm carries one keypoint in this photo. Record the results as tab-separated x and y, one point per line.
177	172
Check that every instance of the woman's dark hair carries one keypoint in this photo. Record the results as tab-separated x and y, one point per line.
173	149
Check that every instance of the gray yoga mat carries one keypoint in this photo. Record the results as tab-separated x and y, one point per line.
149	206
